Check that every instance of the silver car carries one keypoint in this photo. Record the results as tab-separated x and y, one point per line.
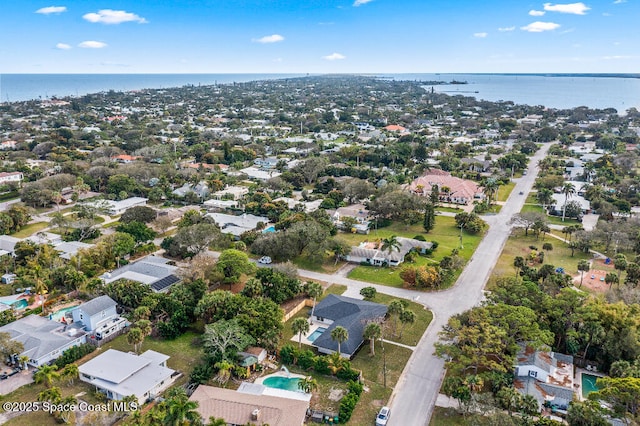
383	416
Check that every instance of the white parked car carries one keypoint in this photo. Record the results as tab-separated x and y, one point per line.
383	416
265	260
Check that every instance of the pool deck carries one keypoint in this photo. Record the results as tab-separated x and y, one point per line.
578	380
305	338
280	373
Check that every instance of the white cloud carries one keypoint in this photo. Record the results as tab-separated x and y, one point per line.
273	38
619	1
63	46
506	29
90	44
109	16
334	57
51	9
361	2
538	27
480	35
536	12
616	57
573	8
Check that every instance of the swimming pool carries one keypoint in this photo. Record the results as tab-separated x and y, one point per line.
21	304
589	384
317	332
57	316
269	229
279	382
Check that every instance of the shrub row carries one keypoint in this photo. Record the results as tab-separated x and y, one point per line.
321	364
73	354
349	401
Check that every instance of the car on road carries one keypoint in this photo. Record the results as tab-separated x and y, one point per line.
3	376
265	260
521	193
383	416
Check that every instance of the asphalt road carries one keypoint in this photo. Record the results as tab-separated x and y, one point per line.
415	394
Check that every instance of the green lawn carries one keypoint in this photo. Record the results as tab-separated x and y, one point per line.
554	220
448	209
333	289
185	352
445	233
30	229
447	417
504	191
329	266
412	333
370	402
518	245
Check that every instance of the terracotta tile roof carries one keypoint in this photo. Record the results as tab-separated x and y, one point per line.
237	408
458	188
395	128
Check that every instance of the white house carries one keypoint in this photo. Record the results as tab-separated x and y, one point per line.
152	270
547	376
372	253
237	225
119	374
43	340
118	207
7	177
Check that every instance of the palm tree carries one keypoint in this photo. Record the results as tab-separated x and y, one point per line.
46	374
300	326
216	422
23	359
51	395
583	266
339	334
390	244
620	263
491	189
70	372
568	189
314	290
406	317
224	372
179	410
39	275
545	197
135	338
611	278
145	326
67	402
372	331
308	384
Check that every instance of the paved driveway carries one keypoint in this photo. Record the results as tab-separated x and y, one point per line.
14	382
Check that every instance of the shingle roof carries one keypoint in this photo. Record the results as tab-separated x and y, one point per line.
352	314
39	335
97	305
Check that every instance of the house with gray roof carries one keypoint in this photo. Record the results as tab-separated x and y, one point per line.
8	244
372	253
94	313
547	376
352	314
237	225
119	374
152	270
43	340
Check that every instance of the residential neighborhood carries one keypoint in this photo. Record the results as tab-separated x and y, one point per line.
318	250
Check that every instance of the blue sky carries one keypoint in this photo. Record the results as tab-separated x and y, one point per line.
319	36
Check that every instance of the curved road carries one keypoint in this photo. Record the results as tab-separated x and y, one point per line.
415	393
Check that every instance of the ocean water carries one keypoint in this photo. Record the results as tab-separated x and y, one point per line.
23	87
553	91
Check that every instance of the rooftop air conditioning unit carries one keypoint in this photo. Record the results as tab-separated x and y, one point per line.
255	415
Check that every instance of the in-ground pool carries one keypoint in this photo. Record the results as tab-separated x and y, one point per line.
279	382
318	331
21	304
269	229
589	384
57	316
